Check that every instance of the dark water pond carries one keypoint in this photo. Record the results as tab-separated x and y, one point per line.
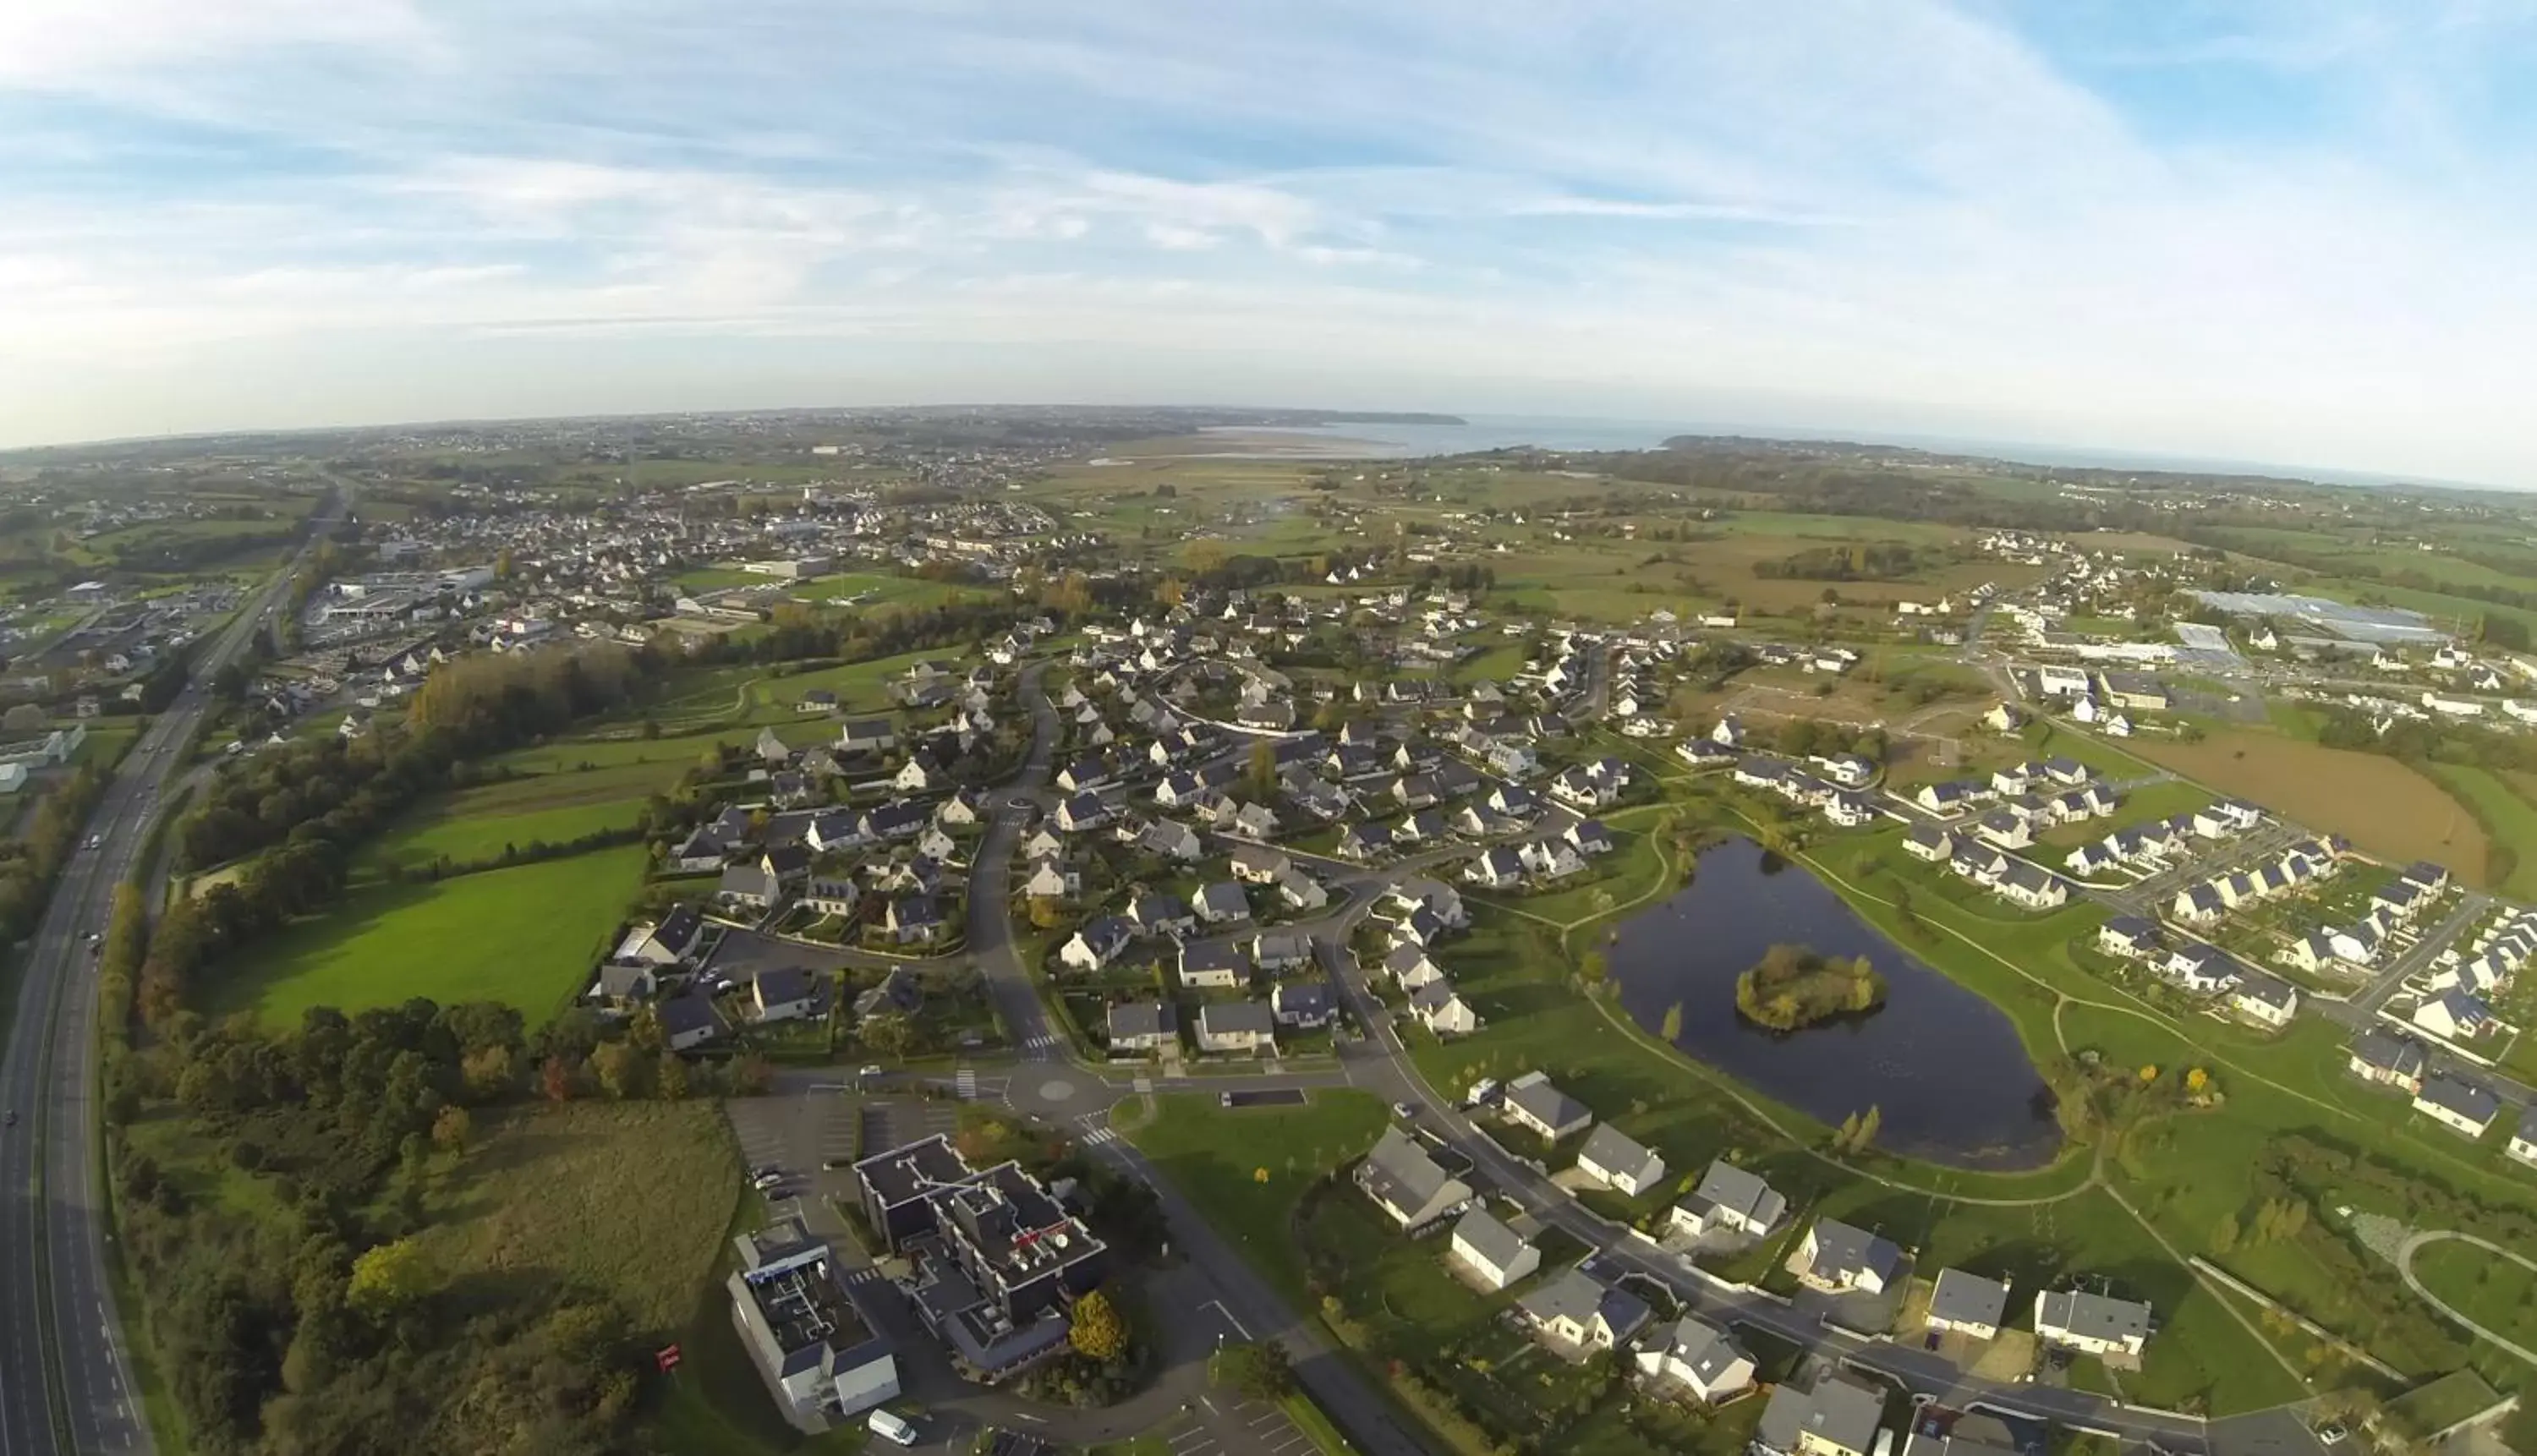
1946	1065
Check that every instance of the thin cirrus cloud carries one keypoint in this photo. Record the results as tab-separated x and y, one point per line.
2261	230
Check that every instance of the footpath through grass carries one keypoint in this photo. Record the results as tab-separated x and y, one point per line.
524	936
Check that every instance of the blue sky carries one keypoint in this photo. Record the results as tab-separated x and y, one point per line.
2293	232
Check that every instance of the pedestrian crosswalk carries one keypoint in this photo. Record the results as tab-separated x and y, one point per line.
966	1083
1095	1137
1042	1045
866	1275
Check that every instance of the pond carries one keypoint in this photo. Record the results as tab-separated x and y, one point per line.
1945	1066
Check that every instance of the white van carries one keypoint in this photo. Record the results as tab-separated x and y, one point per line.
890	1427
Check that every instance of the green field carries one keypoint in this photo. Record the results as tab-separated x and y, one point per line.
1216	1159
2493	1291
2510	824
524	936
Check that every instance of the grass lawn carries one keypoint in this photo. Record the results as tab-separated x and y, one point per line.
2443	1403
1215	1158
465	829
2386	808
2493	1291
629	1198
2509	821
524	936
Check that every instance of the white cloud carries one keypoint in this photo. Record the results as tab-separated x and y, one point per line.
1877	205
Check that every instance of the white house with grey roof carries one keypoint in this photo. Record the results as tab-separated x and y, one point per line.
1408	1185
2091	1323
1837	1417
1731	1199
1247	1027
1492	1252
1698	1356
2457	1104
1966	1303
1576	1315
1617	1160
2523	1139
1839	1258
1533	1102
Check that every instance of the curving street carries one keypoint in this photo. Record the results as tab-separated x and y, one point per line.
2416	1243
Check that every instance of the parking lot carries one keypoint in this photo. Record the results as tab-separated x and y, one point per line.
1220	1425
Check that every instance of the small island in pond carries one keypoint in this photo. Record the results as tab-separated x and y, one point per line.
1794	987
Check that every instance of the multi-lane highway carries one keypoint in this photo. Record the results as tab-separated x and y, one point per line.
65	1380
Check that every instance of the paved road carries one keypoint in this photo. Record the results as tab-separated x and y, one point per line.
65	1380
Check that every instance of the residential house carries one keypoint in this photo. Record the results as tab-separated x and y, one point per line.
785	994
1297	890
2457	1104
1081	813
1492	1254
1731	1199
1097	943
1217	965
1144	1026
1260	864
1441	1011
1839	1258
1576	1313
1837	1417
1533	1102
1929	844
1305	1005
1408	1185
2127	935
1699	1357
1221	904
2268	999
2380	1056
1160	915
866	735
897	994
1053	879
2033	886
913	919
1617	1160
2196	905
1169	838
1244	1027
2523	1139
1277	951
2453	1016
2092	1323
672	940
687	1021
1364	842
748	887
701	852
1968	1305
1499	868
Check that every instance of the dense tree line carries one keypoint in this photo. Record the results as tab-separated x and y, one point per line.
1869	562
30	862
797	631
317	1326
338	792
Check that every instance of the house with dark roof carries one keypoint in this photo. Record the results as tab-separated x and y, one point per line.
2381	1056
1697	1357
1410	1185
1836	1417
687	1020
1967	1303
2092	1323
787	993
1491	1253
1532	1102
1247	1028
1305	1005
1576	1315
1217	965
2457	1104
1144	1026
1731	1199
1617	1160
1839	1258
